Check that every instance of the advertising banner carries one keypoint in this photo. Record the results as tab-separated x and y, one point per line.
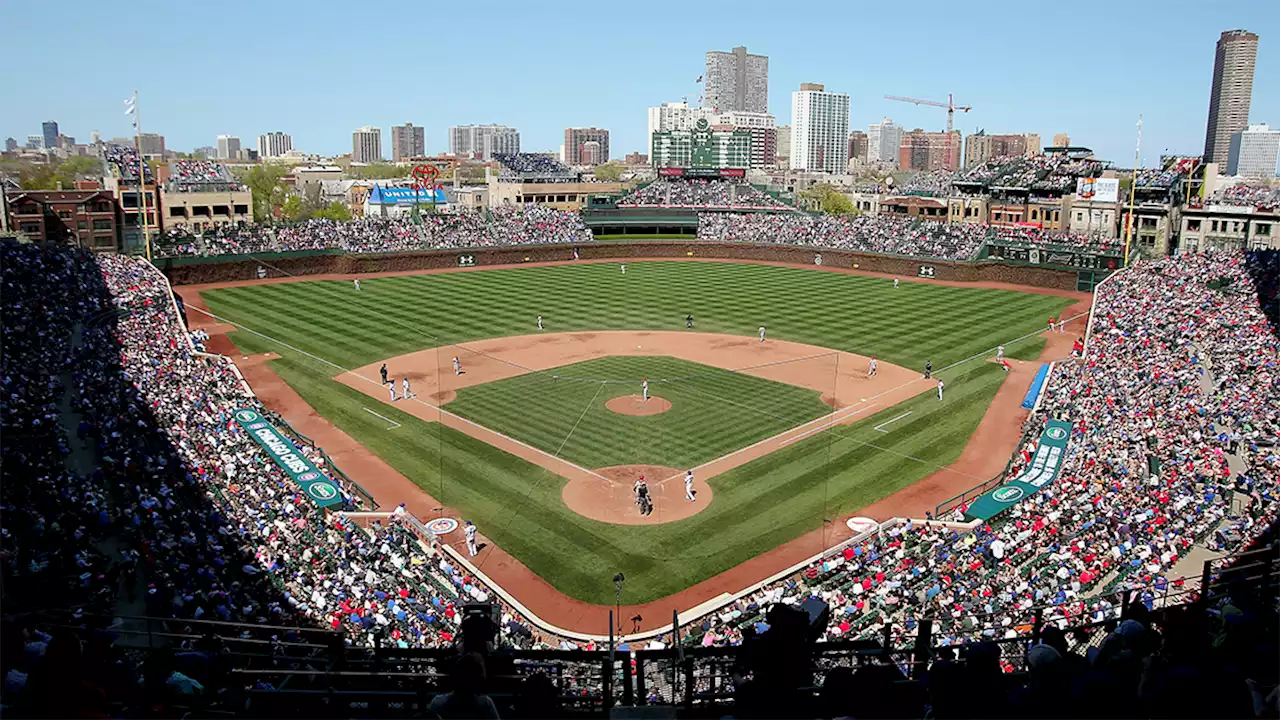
1043	470
1105	190
314	483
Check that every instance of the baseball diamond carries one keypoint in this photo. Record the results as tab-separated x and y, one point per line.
781	434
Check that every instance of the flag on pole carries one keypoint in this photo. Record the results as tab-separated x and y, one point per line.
699	79
130	109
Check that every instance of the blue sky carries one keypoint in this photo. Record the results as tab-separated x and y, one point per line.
320	69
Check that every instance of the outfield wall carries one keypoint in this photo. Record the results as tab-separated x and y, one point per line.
190	271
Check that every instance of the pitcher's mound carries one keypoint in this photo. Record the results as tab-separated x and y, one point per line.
637	405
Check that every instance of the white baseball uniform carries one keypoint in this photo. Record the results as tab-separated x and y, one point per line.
405	384
999	352
357	284
539	322
644	390
392	387
624	269
471	540
874	366
688	485
895	282
939	388
761	333
457	366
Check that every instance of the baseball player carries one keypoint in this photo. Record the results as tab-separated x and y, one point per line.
688	321
404	384
644	389
928	369
999	353
1005	364
689	493
539	321
1050	323
641	490
470	531
624	268
457	366
392	387
1062	324
761	333
895	283
939	388
357	282
871	372
383	370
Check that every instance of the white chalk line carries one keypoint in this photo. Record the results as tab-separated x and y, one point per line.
879	428
394	424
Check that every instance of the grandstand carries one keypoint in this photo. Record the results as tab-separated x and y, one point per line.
533	167
201	176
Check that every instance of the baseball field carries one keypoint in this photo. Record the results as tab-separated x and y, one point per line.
543	426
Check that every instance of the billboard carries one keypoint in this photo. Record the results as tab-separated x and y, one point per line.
1105	190
406	196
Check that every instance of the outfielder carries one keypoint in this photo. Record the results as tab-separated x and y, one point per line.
761	333
539	321
689	493
644	389
404	384
624	268
871	372
457	366
895	283
470	531
357	282
939	388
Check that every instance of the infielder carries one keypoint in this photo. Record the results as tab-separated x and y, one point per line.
357	282
457	366
539	321
470	531
644	389
392	387
939	388
404	384
895	283
761	333
871	372
689	493
999	353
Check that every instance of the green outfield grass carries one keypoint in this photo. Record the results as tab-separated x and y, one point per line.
756	507
713	411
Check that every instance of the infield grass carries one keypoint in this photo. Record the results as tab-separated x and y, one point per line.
756	506
713	411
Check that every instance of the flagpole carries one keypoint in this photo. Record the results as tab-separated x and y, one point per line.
142	175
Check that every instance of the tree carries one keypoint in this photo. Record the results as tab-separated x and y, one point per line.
48	177
610	171
826	198
266	183
334	211
293	210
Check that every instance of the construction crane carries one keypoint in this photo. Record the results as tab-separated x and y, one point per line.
950	105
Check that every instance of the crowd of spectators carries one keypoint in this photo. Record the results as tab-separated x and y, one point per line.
936	183
127	162
717	194
1053	174
533	224
1180	373
201	176
1247	195
532	164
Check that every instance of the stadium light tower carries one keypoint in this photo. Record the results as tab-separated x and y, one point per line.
950	105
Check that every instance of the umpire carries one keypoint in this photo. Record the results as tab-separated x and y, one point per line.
928	369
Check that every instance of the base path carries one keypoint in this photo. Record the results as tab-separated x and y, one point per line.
986	454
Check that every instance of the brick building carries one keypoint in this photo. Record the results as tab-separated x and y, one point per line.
922	150
89	218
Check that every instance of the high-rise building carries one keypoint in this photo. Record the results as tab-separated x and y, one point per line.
928	151
883	139
576	139
151	145
1231	93
858	145
764	134
95	137
483	141
784	146
50	130
35	142
1062	140
366	145
228	147
408	140
274	144
10	145
819	129
981	147
1254	152
737	81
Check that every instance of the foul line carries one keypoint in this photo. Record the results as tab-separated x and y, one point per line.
822	427
879	428
394	424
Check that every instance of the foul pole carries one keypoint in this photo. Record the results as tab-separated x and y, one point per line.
1133	192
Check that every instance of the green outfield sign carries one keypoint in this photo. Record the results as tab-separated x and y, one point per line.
1043	470
314	483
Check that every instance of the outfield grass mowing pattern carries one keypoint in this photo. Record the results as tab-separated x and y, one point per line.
713	411
394	315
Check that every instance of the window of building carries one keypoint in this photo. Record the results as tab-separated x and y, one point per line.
242	209
1213	226
200	210
82	225
1193	225
1148	222
104	241
177	211
102	206
29	228
101	224
1263	229
64	214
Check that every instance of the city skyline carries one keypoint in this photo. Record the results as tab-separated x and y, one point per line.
879	63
